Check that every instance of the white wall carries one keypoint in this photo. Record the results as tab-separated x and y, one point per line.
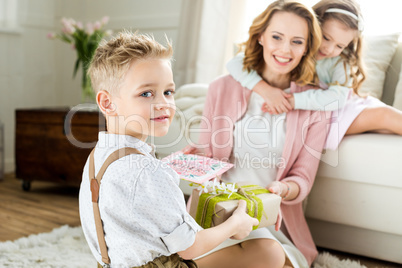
37	72
26	67
150	16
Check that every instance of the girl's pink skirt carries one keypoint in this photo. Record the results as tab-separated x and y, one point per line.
343	118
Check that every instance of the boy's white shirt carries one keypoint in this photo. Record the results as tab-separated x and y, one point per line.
141	205
329	70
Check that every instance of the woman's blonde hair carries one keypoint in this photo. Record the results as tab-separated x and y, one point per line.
113	58
304	73
352	54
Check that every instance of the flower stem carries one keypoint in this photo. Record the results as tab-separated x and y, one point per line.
88	95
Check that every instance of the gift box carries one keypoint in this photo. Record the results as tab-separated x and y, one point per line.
211	209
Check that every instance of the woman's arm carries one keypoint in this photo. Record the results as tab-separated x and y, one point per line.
304	169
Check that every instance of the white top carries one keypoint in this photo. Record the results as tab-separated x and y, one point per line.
258	144
329	71
141	205
259	139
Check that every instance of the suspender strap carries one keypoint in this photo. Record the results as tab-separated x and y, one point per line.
95	185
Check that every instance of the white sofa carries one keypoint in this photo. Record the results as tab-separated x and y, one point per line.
356	203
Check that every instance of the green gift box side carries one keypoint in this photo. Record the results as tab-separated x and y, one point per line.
211	210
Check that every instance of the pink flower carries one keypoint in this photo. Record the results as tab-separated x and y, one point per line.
73	46
105	20
51	35
67	22
68	29
90	28
97	25
80	25
68	25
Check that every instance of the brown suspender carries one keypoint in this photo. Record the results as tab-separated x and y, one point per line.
95	184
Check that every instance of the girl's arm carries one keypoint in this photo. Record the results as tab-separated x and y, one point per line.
246	79
275	98
330	99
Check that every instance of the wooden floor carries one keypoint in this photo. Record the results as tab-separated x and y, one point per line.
43	208
47	206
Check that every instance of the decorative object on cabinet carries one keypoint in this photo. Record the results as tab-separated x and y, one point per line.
84	40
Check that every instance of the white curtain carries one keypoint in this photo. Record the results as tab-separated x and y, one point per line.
208	32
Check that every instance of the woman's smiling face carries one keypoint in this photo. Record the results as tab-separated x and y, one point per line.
284	42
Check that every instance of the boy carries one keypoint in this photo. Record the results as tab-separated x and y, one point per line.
144	219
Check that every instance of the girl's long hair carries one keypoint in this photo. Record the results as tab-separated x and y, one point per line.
352	54
305	72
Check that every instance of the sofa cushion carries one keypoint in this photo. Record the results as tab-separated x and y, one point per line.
398	94
360	184
366	158
377	54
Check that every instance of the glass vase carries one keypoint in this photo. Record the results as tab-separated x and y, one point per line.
88	95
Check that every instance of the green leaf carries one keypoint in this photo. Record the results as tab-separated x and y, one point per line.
65	38
77	65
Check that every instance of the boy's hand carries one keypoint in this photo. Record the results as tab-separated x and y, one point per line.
243	221
276	100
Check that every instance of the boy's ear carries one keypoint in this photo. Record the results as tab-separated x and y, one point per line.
104	100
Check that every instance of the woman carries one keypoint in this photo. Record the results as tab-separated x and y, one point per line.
280	152
341	71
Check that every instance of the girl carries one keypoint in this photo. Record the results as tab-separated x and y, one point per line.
272	151
339	66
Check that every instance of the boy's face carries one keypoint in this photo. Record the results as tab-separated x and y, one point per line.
145	103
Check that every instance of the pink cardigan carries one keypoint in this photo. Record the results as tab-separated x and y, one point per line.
305	136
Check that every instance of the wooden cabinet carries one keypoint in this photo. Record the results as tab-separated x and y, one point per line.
54	144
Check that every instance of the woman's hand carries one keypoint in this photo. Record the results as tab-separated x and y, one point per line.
276	100
277	187
287	190
193	150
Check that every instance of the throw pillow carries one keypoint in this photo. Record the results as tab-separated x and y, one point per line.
398	93
377	55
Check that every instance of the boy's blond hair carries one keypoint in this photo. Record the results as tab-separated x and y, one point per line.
113	58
